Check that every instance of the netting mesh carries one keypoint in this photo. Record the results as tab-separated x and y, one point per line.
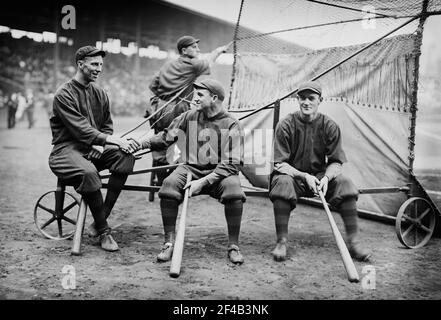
380	76
391	7
288	28
368	69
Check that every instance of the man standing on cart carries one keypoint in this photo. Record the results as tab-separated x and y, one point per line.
176	75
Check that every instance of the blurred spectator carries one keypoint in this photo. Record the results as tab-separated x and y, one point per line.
21	105
11	104
24	61
27	63
47	99
30	108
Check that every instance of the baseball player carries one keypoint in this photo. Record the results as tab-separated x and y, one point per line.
174	76
214	142
82	138
308	157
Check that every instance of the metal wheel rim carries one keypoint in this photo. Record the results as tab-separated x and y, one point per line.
402	216
41	230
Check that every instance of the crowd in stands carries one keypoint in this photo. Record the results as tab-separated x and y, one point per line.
26	65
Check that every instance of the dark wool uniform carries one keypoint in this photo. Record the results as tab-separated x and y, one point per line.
173	76
216	157
81	118
309	147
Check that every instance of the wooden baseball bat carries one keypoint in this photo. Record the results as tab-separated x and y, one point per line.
175	266
344	252
79	227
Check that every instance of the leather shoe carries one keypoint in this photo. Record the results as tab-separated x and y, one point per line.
166	252
107	242
279	252
358	253
234	254
92	231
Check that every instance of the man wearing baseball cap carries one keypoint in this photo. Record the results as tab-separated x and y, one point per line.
181	73
83	141
214	140
88	51
175	75
308	157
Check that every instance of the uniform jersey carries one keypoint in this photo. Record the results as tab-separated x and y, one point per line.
80	114
176	74
209	143
308	147
81	118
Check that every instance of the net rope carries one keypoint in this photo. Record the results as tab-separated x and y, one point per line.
262	68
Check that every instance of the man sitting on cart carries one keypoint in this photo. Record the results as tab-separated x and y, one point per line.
308	157
83	141
214	141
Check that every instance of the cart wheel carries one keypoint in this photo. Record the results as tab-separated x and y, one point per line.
415	222
52	218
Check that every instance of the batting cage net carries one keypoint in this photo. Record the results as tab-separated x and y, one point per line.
365	55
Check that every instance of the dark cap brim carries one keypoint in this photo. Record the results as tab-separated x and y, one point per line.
310	89
201	85
96	52
191	43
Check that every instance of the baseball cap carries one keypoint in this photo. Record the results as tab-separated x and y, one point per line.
88	51
310	85
186	41
215	87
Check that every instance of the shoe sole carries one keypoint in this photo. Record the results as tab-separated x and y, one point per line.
279	258
364	259
236	261
110	250
162	260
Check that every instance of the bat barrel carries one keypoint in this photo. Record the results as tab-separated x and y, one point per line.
175	266
76	245
344	252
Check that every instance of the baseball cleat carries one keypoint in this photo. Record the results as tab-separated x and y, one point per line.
279	252
358	253
108	243
234	254
166	252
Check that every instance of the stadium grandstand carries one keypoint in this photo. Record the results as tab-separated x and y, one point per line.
36	52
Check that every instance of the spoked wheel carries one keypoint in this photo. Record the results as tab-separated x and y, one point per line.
415	222
53	219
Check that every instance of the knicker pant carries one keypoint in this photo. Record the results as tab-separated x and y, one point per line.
227	189
70	163
284	187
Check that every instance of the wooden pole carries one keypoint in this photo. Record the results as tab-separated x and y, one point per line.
414	99
56	47
276	115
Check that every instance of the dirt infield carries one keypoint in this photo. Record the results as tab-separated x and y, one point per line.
31	266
